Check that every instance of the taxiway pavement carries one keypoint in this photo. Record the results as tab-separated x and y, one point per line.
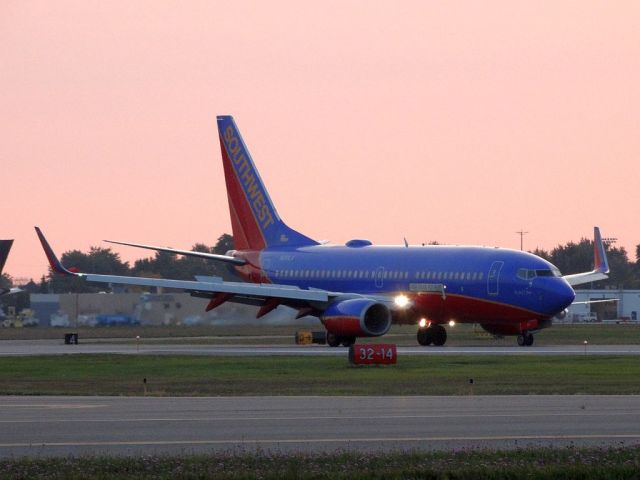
57	347
46	426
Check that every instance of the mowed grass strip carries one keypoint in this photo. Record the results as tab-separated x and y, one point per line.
296	375
539	463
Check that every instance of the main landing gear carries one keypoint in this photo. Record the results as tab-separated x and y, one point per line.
433	334
525	339
334	340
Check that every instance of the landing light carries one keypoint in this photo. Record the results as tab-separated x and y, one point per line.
452	323
423	322
401	301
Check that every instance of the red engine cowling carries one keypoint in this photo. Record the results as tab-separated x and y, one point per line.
357	317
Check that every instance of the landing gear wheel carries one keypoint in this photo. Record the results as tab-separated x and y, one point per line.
439	335
348	341
332	340
425	336
525	339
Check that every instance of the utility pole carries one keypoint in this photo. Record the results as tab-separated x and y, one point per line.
522	233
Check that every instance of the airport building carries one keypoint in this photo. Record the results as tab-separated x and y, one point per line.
624	306
107	309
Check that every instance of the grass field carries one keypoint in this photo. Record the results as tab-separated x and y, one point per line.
460	335
534	464
291	375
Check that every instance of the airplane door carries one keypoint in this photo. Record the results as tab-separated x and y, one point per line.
493	277
379	277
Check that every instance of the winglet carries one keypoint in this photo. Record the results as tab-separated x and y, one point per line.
56	266
600	263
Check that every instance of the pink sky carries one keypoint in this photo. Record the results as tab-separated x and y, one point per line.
461	122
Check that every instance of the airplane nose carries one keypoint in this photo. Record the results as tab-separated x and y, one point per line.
565	295
556	296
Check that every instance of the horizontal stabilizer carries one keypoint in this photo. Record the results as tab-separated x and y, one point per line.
186	253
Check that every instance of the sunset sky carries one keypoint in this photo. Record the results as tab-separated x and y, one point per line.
460	122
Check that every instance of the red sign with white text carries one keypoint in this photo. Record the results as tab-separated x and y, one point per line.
373	354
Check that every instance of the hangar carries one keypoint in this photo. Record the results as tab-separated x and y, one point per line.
625	309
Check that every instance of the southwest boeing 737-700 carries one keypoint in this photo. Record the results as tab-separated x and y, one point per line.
360	289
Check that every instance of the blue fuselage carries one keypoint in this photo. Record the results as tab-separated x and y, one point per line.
468	284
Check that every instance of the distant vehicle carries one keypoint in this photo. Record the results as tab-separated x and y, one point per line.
59	320
358	289
115	320
5	247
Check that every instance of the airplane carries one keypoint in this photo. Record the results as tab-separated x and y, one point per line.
359	289
5	247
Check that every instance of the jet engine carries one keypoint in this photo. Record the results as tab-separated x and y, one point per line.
357	317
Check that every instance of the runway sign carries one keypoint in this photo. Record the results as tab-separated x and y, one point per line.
373	354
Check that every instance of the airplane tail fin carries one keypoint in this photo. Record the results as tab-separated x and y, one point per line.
255	222
5	246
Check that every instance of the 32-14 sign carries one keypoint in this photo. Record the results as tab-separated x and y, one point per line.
373	354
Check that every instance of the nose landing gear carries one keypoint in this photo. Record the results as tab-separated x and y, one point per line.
525	339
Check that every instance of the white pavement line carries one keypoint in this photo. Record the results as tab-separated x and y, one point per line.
323	417
324	440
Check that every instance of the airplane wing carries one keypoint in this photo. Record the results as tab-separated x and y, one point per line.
589	302
4	291
267	296
187	253
601	265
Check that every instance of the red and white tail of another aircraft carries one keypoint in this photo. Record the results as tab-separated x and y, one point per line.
5	247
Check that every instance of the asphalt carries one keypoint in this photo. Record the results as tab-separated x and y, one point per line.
54	426
57	347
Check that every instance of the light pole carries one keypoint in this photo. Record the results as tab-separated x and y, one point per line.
522	233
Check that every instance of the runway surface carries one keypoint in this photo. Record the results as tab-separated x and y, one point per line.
56	347
140	425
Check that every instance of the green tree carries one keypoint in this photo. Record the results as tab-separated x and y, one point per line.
180	267
225	243
578	257
6	281
98	260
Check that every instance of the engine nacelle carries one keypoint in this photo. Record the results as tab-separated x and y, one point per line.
357	317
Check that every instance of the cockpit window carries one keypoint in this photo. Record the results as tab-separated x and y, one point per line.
526	274
530	274
544	273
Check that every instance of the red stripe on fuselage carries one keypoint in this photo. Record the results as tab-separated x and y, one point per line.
465	309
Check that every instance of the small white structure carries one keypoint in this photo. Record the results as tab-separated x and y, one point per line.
626	308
